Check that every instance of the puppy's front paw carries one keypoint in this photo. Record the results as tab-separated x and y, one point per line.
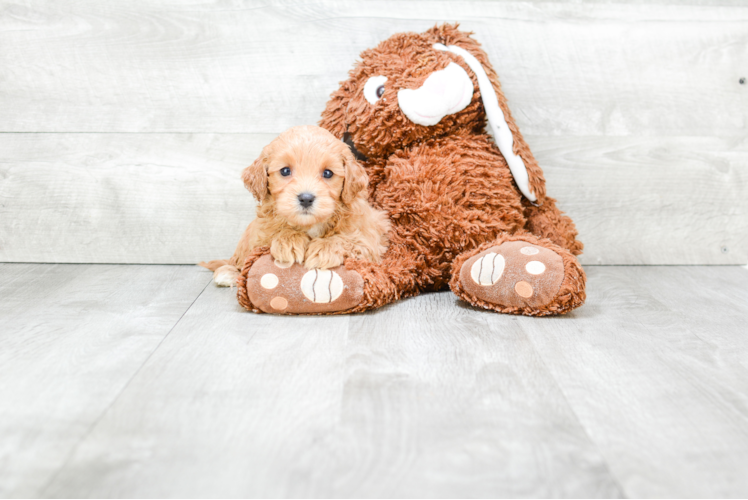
324	254
289	247
225	275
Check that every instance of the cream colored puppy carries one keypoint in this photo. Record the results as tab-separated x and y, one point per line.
313	206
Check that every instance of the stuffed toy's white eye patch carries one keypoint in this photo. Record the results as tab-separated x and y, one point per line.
374	88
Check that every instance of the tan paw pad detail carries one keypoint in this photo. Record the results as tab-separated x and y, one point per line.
523	289
269	281
535	267
321	286
488	269
529	251
282	265
279	303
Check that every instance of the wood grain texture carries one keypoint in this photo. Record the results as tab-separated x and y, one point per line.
178	198
655	367
666	200
122	198
423	398
639	393
442	402
248	66
71	339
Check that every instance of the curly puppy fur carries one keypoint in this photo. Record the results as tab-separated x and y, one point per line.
339	222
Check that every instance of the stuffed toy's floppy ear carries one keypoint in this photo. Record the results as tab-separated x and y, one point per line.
355	179
525	170
255	178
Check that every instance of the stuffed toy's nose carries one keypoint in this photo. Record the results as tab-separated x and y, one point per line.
444	92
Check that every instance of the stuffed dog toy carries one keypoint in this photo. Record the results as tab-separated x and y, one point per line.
467	211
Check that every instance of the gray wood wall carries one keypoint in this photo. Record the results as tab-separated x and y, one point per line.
124	125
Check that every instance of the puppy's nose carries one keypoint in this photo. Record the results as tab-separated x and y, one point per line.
306	199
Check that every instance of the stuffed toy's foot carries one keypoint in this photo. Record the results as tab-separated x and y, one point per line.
266	286
520	275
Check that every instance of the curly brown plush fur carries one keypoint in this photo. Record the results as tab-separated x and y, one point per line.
447	188
241	293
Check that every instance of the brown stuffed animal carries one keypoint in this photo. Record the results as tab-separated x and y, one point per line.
466	211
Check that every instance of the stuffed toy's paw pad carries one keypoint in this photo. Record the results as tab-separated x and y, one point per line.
292	289
514	274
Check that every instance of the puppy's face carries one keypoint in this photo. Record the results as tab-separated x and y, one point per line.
308	173
306	182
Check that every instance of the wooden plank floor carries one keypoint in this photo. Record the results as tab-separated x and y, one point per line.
143	381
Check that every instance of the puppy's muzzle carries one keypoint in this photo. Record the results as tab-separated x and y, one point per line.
306	200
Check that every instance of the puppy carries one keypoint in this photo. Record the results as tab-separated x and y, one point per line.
312	208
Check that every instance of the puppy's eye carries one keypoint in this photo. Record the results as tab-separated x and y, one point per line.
374	88
285	171
327	173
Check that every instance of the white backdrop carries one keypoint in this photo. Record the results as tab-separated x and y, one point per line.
124	126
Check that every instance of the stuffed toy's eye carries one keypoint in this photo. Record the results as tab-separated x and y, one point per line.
327	173
374	88
285	171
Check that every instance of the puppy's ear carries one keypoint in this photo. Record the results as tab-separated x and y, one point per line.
255	178
356	179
